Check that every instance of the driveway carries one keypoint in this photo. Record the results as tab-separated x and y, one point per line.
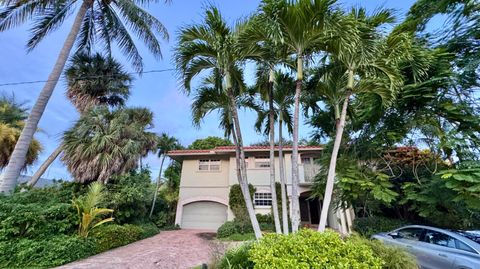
169	250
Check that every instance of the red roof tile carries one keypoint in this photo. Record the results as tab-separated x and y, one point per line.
232	148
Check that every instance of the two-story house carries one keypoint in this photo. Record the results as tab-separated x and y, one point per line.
207	176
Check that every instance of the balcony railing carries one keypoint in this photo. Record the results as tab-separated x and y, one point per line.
309	172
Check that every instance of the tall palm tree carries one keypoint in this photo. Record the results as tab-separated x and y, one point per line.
282	100
165	144
213	46
101	21
103	143
368	63
300	26
12	117
92	80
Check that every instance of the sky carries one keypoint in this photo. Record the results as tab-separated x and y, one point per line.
159	92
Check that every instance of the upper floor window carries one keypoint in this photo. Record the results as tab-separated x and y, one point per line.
262	199
306	160
209	165
262	162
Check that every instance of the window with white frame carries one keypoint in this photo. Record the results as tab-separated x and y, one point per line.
262	199
262	162
209	165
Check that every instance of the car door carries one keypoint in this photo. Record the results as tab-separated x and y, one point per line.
408	238
437	247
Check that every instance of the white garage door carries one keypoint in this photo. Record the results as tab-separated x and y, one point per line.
203	215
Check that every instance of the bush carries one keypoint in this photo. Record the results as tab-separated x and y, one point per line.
130	195
114	235
234	227
311	249
149	229
372	225
393	257
237	203
47	252
237	258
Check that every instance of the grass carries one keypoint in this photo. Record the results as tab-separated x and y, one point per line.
239	237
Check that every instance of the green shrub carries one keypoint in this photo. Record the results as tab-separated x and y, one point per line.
239	237
372	225
234	227
393	257
130	195
37	219
237	203
114	235
311	249
236	258
148	229
47	252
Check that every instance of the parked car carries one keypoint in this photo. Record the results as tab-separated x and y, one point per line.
437	248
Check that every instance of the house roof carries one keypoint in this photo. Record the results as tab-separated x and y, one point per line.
227	150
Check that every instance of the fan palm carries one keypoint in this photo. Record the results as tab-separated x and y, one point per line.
280	99
103	143
301	26
367	63
12	117
165	144
91	80
101	21
213	46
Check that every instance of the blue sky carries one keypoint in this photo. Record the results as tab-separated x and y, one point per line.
156	91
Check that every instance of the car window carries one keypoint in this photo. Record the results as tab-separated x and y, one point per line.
410	233
438	238
463	246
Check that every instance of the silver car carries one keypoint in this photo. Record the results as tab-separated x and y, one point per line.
436	248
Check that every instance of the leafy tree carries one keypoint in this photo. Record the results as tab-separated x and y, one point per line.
209	143
103	143
92	80
165	143
213	47
104	22
12	117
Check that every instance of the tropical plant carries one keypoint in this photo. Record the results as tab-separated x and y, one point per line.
299	27
212	46
208	142
165	144
103	21
89	214
280	101
103	143
92	80
12	117
367	64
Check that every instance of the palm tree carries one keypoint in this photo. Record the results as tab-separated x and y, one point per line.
96	20
282	99
92	80
300	26
367	64
103	143
165	144
213	46
12	117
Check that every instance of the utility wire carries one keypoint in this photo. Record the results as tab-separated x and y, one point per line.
86	77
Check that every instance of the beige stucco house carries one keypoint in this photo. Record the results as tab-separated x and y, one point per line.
207	176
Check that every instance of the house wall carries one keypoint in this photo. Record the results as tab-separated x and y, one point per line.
198	185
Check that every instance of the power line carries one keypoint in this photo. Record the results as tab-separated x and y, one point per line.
86	77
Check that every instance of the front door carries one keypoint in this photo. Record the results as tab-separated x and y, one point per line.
314	206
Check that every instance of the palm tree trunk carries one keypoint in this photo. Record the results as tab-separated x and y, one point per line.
9	178
44	166
340	125
273	189
282	176
241	169
157	187
295	179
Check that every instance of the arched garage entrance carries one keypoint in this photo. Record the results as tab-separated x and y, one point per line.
207	215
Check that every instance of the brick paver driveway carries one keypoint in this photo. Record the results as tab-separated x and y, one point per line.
169	250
